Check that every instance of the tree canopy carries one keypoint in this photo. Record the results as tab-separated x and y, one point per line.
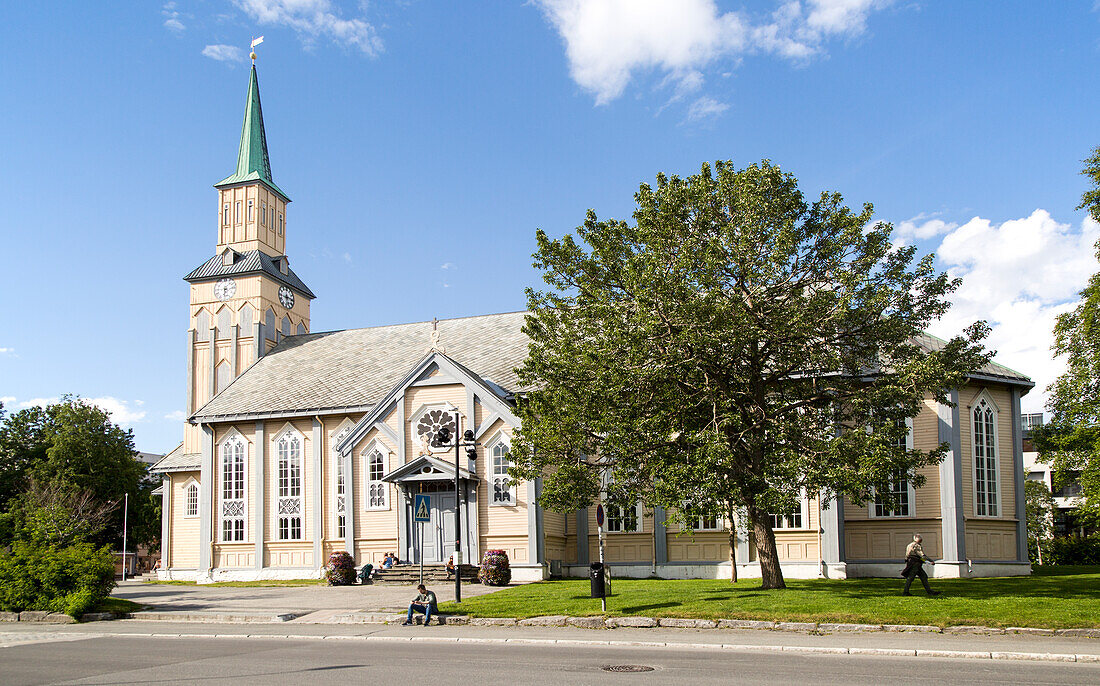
736	347
1070	440
62	463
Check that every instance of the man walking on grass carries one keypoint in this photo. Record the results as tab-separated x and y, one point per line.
914	567
424	603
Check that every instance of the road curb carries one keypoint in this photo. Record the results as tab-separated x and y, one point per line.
674	645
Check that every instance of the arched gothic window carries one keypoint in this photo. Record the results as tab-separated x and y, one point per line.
504	489
191	500
340	506
984	428
288	449
377	490
232	505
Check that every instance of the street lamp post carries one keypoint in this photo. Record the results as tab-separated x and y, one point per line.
444	437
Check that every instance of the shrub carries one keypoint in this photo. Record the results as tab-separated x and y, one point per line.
340	570
73	579
1075	550
494	569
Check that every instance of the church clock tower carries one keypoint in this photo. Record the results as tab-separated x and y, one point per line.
245	298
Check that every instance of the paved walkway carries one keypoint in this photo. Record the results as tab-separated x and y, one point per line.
279	599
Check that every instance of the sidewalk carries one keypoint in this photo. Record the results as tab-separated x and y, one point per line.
1084	651
299	600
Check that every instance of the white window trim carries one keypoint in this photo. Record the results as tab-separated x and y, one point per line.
640	512
187	486
287	432
231	435
871	508
984	395
500	438
375	445
334	438
721	521
804	512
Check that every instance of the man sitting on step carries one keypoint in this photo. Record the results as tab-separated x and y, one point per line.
424	603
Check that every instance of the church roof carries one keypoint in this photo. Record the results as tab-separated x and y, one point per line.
990	371
178	461
248	263
253	163
352	370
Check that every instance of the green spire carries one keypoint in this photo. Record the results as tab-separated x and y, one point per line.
252	161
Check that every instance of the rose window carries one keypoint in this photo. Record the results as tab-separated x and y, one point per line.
434	420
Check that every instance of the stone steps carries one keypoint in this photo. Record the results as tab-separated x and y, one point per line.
410	574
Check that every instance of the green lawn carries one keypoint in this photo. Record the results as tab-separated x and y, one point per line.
1054	597
118	605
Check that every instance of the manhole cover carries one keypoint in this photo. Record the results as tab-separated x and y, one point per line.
627	668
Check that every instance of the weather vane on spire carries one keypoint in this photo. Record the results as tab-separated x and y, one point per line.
252	48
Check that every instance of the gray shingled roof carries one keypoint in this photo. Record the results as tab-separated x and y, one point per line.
249	262
178	461
989	370
356	368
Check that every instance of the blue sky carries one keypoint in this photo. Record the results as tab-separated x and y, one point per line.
424	142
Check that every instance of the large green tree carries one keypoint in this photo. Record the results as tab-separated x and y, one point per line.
72	447
1070	440
735	347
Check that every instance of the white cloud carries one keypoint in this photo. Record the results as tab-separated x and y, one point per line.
347	257
7	351
922	227
447	265
705	108
224	53
1018	275
608	41
176	416
172	17
120	410
314	19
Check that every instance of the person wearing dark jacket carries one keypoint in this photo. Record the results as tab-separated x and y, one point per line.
914	566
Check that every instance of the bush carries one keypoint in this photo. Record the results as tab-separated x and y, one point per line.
494	569
1074	550
73	579
340	570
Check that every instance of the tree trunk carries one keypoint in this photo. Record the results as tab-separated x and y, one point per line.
767	554
733	544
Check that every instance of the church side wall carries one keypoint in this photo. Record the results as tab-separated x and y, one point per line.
375	529
885	538
183	551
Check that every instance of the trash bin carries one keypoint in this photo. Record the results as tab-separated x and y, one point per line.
599	580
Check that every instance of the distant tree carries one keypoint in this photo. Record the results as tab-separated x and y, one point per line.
72	446
60	515
1040	516
711	351
1070	440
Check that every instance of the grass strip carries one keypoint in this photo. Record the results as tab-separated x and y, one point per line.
1052	598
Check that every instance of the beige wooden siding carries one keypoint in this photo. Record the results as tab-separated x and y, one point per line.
886	539
553	525
375	526
234	555
417	397
990	539
184	538
505	524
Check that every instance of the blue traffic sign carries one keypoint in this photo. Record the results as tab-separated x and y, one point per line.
422	507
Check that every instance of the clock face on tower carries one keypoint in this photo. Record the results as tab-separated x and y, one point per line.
225	288
286	297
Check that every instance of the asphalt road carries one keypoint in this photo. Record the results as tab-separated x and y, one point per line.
91	659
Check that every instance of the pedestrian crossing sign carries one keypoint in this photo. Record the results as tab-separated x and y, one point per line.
422	507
